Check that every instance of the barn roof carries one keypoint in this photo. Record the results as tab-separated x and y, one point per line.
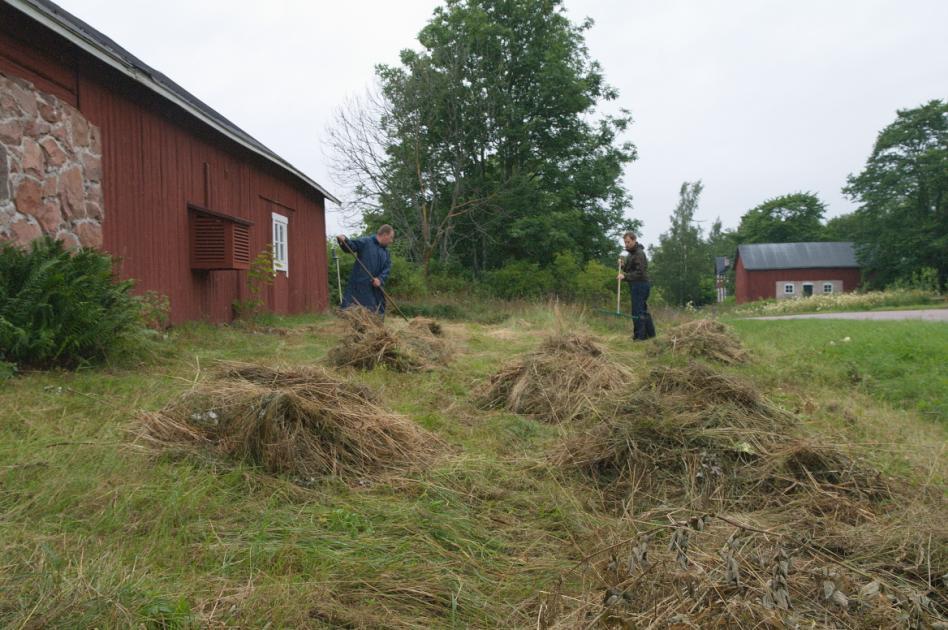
721	265
760	256
95	43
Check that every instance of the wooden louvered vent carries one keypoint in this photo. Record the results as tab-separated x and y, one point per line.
218	241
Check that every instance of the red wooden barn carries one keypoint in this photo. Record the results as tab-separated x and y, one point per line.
788	270
98	149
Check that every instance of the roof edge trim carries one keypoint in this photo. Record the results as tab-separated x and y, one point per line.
110	58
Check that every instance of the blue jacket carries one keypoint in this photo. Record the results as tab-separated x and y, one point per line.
377	260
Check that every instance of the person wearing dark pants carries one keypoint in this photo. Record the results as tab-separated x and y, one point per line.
635	272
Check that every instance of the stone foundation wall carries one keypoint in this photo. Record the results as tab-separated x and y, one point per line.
50	169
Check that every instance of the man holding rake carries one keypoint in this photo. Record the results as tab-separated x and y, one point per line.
371	269
635	272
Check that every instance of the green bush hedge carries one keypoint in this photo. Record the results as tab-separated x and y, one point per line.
564	277
59	308
593	283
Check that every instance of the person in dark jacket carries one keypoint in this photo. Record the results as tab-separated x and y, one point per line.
368	278
635	272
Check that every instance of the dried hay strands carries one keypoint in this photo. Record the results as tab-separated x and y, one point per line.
302	422
695	434
743	570
706	338
558	382
369	343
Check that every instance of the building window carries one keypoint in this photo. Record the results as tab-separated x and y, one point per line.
281	259
788	289
828	287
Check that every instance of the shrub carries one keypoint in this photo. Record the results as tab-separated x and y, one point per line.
405	280
839	302
924	279
155	310
59	308
345	261
519	279
451	278
260	276
596	285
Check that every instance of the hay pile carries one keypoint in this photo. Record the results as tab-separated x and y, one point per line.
696	435
765	570
740	521
556	383
302	422
369	343
705	338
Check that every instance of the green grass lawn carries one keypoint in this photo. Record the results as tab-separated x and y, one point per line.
96	531
903	363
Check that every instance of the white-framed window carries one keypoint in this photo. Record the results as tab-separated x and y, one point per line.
827	287
281	258
788	289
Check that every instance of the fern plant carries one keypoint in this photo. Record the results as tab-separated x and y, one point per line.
59	308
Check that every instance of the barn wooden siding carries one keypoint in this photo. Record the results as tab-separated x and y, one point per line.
759	285
156	160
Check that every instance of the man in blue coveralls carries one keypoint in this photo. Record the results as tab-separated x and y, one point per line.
367	279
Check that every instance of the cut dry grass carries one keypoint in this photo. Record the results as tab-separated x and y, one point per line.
556	382
693	434
302	422
759	570
369	343
706	338
785	531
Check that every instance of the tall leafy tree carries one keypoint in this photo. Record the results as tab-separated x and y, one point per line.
682	267
845	227
489	146
721	242
795	218
903	197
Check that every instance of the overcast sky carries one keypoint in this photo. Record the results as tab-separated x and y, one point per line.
757	98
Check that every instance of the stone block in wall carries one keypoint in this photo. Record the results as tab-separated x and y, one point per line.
50	217
28	198
90	234
81	135
24	231
92	167
72	192
33	162
69	240
48	111
51	186
25	96
55	156
11	131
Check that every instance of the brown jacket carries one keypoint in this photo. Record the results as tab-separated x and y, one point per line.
635	266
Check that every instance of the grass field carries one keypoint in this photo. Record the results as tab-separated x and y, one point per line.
96	531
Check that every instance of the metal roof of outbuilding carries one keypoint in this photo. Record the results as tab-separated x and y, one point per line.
95	43
761	256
